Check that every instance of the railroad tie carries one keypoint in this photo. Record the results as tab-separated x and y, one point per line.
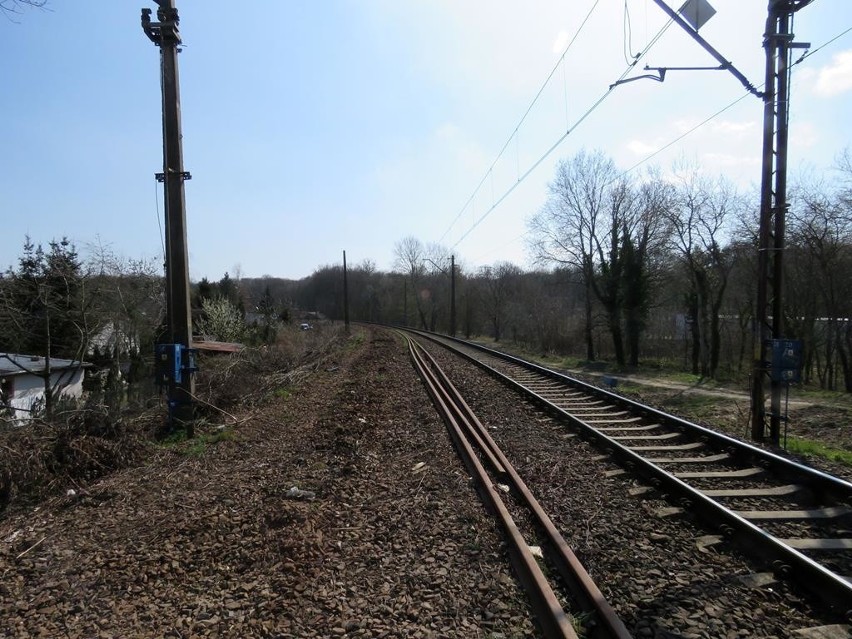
721	474
706	459
777	491
832	512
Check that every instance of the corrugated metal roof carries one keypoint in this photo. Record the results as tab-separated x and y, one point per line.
19	364
218	347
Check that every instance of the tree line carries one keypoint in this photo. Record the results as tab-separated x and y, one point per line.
650	270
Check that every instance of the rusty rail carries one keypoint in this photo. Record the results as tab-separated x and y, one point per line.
469	435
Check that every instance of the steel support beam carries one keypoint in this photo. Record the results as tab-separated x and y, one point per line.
769	309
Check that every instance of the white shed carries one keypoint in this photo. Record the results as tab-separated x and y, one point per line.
22	381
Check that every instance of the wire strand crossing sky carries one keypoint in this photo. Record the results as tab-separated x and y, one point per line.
350	125
514	133
562	138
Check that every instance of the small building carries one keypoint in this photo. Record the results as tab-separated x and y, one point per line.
22	382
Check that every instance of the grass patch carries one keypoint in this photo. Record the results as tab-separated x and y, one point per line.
815	394
198	445
680	376
690	403
809	447
581	622
355	340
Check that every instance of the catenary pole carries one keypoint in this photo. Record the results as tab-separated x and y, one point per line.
345	294
452	295
778	43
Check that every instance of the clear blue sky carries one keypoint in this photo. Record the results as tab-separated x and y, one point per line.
313	127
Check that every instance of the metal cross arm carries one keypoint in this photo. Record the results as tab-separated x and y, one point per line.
725	64
166	29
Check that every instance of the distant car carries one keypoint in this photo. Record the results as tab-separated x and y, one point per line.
305	326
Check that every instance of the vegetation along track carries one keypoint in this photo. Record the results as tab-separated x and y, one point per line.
469	435
790	516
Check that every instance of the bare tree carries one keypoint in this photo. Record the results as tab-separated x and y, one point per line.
820	258
409	255
499	281
590	222
129	309
643	255
564	229
9	7
700	223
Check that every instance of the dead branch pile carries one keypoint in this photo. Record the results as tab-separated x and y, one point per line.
39	458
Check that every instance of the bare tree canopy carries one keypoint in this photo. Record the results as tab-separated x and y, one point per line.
600	222
8	7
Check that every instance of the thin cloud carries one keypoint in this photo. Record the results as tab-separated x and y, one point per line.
561	42
728	126
638	147
730	160
835	78
804	135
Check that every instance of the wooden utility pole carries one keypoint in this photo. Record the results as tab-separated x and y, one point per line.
778	43
345	294
181	382
452	295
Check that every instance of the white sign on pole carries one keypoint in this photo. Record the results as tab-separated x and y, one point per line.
697	12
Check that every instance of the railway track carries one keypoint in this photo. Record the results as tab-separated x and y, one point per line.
795	520
493	474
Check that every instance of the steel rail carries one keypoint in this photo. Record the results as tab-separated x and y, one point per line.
825	486
554	621
572	571
785	560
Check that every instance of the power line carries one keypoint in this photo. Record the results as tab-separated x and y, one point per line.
599	101
523	118
804	57
666	146
808	54
686	133
568	132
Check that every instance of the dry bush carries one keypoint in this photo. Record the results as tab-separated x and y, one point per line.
250	377
39	459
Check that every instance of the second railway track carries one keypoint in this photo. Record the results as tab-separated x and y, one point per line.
788	517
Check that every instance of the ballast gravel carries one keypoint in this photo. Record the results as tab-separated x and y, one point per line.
664	574
339	510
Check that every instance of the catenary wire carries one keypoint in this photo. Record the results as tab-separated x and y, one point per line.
627	29
568	132
523	118
808	54
159	221
692	130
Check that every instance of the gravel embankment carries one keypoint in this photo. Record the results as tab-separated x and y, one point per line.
215	544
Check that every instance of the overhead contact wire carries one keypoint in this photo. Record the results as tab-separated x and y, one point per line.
651	156
568	132
522	120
